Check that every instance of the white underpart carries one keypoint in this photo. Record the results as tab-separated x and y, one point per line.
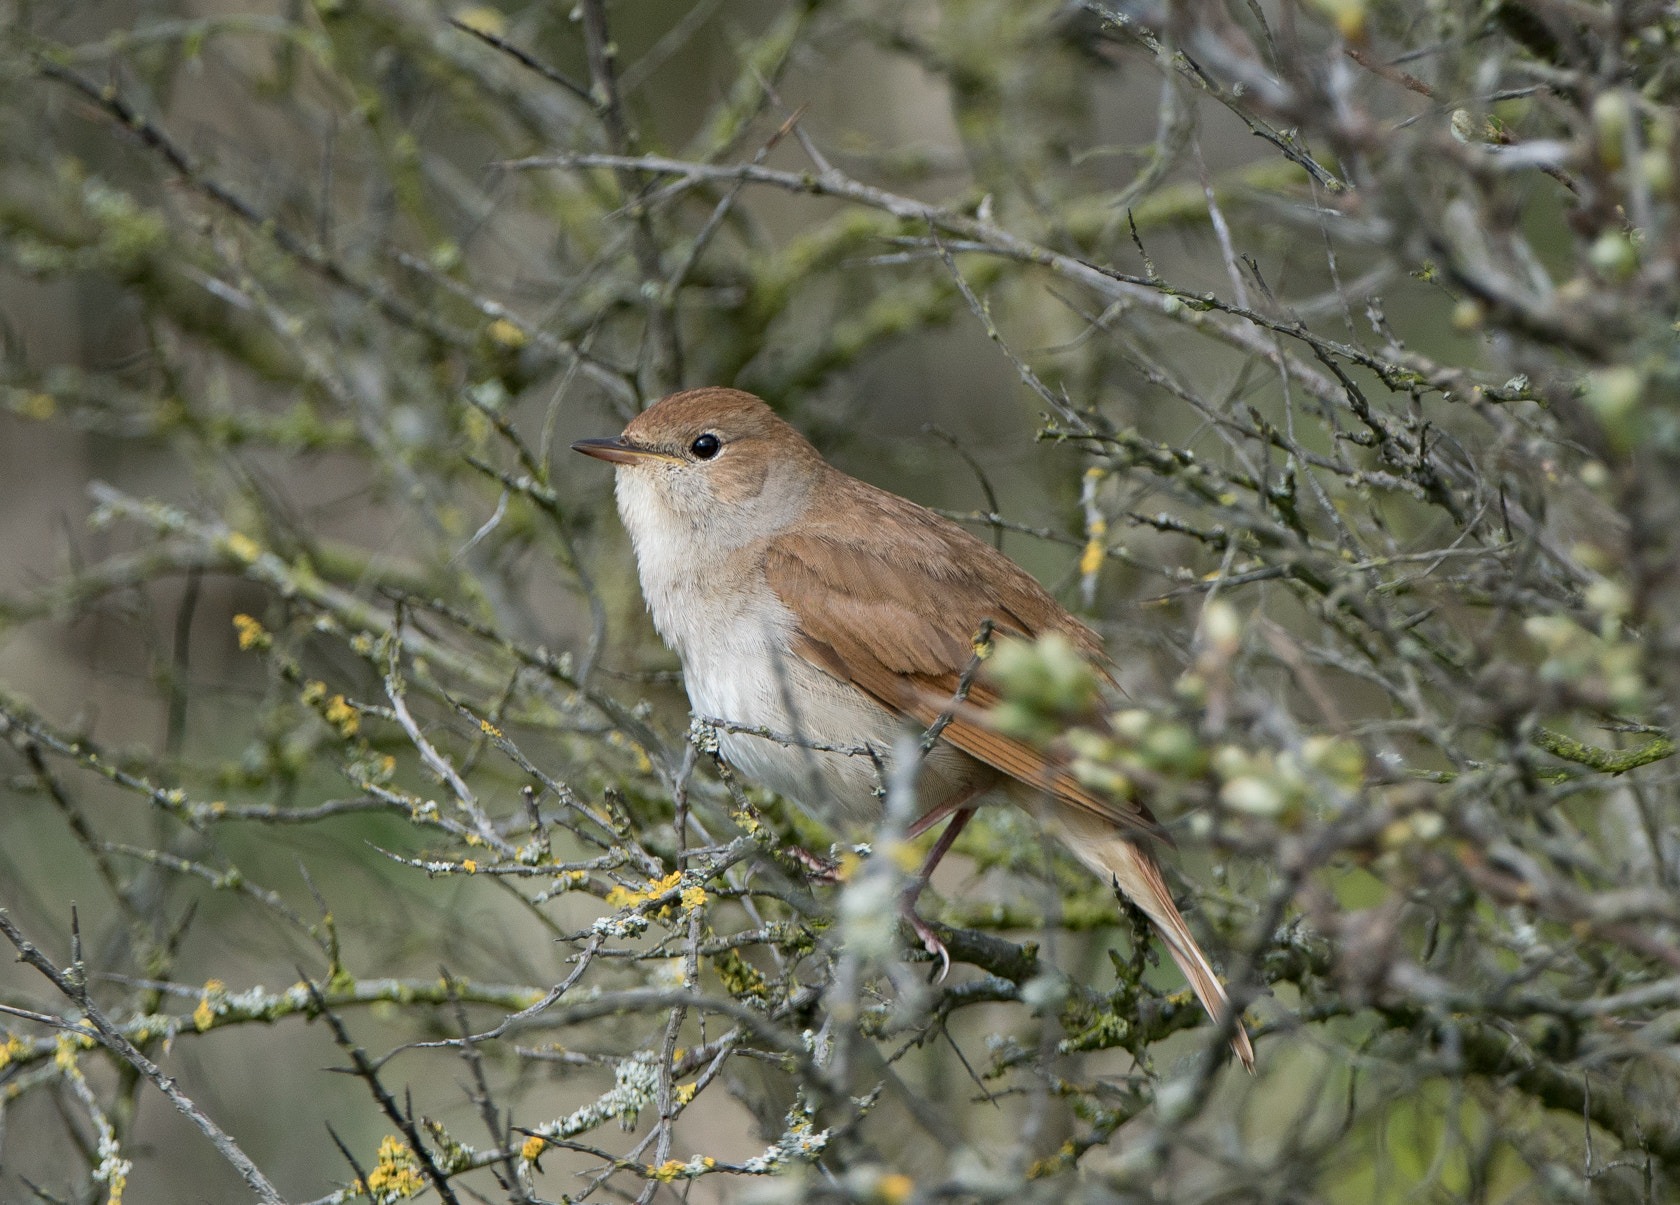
731	644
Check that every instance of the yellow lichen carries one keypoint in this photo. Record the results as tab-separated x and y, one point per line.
693	897
242	546
477	428
470	866
894	1188
904	856
14	1047
397	1174
740	978
204	1016
251	633
668	1170
483	19
506	333
623	897
533	1147
342	716
1092	558
1046	1167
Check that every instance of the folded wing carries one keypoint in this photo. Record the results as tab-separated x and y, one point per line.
903	630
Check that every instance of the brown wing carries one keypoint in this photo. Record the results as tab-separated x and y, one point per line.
902	628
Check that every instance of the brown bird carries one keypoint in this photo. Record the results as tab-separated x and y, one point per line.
812	605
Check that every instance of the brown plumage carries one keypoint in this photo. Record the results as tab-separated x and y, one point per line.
783	583
894	610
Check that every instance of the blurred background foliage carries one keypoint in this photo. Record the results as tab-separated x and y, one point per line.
1320	354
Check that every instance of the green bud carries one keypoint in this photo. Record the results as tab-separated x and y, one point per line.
1255	796
1611	115
1231	761
1613	256
1656	168
1090	744
1614	395
1048	672
1607	598
1554	632
1221	628
1468	315
1173	747
1131	724
1341	761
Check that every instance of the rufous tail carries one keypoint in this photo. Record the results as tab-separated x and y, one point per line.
1138	875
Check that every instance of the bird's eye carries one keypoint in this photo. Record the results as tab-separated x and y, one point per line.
706	446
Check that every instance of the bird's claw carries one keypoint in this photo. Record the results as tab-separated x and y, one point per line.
820	870
930	942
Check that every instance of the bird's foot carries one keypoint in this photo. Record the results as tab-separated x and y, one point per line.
819	870
929	939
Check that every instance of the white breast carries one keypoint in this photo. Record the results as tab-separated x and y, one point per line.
715	610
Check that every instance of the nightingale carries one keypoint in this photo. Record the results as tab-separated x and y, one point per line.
813	606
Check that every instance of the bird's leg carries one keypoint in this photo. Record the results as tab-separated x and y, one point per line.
959	819
958	809
823	870
937	813
907	902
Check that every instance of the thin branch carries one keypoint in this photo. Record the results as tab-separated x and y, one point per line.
112	1039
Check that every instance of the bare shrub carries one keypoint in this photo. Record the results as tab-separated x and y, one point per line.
1347	333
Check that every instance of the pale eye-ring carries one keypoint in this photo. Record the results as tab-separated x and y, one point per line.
706	446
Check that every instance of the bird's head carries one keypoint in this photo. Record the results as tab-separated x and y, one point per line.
718	462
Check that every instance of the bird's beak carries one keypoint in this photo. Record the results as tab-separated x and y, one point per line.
618	451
